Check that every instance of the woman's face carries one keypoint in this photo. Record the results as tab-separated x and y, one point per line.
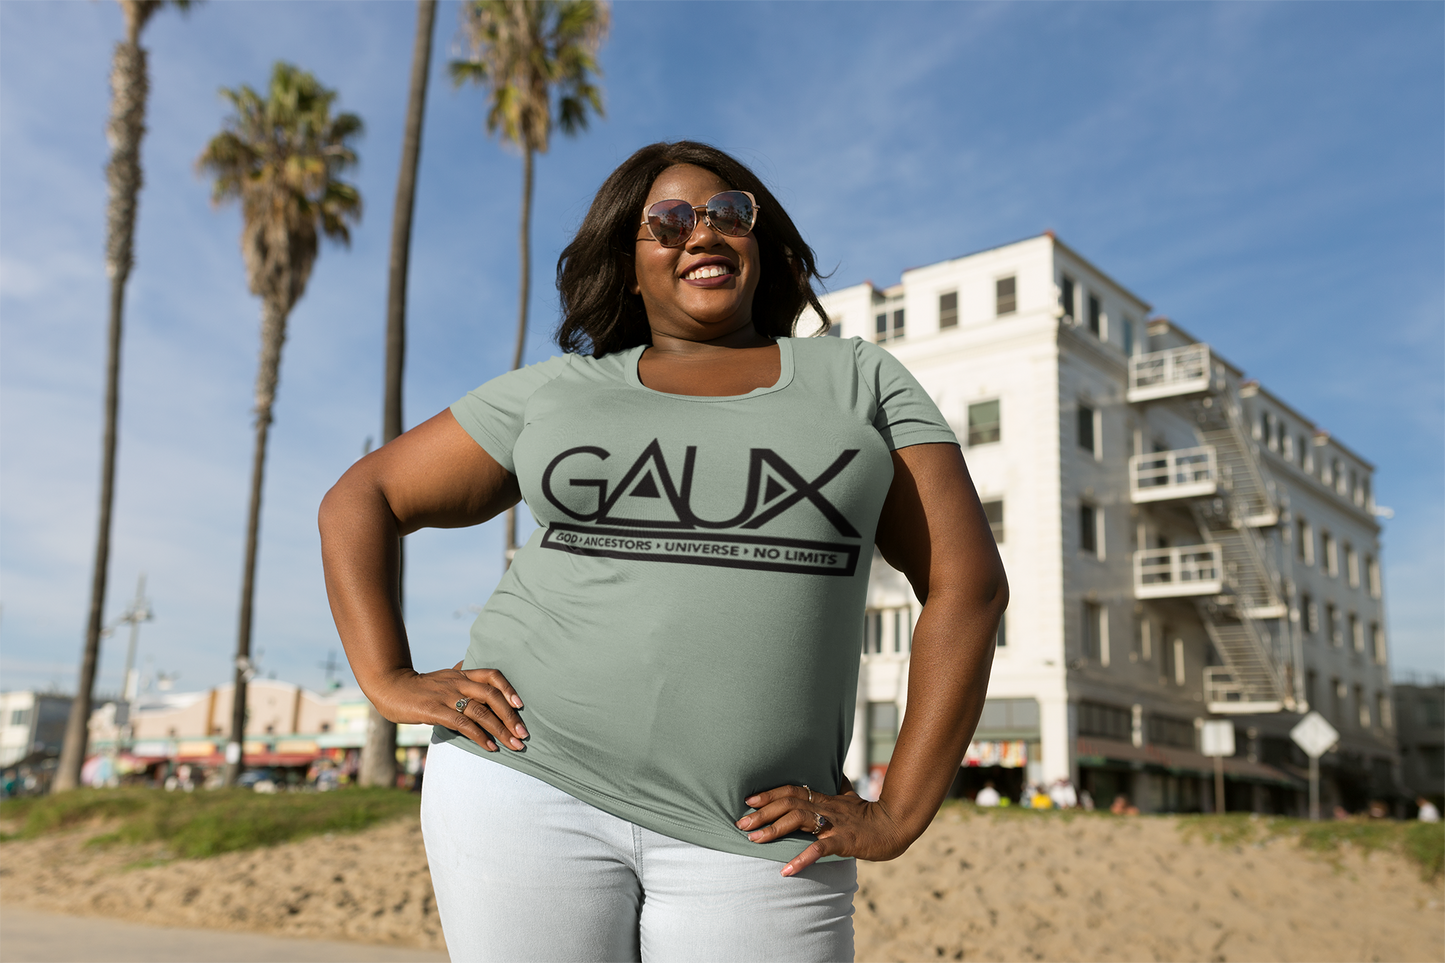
682	291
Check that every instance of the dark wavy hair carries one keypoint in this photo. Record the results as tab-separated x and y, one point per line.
601	315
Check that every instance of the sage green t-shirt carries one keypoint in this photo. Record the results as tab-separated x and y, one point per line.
685	626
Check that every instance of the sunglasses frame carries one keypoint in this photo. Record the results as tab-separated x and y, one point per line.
699	209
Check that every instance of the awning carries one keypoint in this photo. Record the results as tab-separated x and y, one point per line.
1094	751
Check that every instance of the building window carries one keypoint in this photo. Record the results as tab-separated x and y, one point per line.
1304	542
902	630
983	423
1332	553
1383	712
1096	317
1372	571
1377	636
1086	433
1352	565
1127	330
872	632
1357	632
1179	662
1089	529
1111	722
1308	616
1340	487
1096	633
1164	731
897	325
1287	447
882	732
1362	707
881	327
1337	701
948	310
20	717
1303	454
1066	297
1005	296
993	511
1143	641
1325	475
1332	622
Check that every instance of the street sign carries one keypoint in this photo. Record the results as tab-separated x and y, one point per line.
1216	738
1314	735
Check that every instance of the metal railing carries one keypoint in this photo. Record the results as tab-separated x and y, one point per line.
1161	573
1184	473
1225	694
1174	371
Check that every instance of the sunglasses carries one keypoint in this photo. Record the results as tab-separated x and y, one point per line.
672	222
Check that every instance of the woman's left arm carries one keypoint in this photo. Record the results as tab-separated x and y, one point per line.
934	531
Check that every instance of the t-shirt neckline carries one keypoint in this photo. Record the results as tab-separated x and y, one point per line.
785	376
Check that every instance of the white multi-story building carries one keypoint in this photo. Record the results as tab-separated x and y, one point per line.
1180	545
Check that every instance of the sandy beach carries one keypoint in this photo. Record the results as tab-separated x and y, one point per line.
1002	886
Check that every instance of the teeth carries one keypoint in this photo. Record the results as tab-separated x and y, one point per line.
709	271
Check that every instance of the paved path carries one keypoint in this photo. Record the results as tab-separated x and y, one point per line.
29	936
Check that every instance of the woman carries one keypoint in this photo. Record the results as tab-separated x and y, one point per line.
667	673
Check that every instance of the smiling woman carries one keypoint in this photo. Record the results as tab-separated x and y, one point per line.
686	622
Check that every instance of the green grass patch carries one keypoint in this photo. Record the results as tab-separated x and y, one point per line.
1421	843
205	823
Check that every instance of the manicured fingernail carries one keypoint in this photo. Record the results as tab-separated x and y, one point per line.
755	836
753	800
744	823
516	743
521	730
516	702
491	746
788	870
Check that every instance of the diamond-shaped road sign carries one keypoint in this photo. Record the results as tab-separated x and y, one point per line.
1314	735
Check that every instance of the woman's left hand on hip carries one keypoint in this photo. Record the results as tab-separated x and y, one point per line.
851	825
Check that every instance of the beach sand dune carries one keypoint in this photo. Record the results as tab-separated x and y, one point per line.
977	886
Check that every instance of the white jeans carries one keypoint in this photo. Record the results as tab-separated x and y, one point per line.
523	871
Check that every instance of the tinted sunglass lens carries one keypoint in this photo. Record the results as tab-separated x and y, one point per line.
730	213
671	222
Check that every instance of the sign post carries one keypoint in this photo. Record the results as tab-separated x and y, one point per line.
1216	738
1316	737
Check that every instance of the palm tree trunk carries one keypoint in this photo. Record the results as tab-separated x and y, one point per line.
526	272
129	88
273	336
378	758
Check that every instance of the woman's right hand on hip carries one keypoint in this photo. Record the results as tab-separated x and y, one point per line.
479	703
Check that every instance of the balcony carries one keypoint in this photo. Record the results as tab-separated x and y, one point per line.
1165	475
1226	695
1165	374
1167	573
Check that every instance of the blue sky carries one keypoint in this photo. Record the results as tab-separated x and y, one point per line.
1268	175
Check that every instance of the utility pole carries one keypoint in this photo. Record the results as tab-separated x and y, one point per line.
139	611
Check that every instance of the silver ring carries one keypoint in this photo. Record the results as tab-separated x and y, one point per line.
462	704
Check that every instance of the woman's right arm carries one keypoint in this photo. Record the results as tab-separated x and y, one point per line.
434	476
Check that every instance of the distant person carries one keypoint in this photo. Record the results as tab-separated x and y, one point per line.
1428	812
1341	812
1122	807
1062	794
987	797
1086	800
1040	799
644	744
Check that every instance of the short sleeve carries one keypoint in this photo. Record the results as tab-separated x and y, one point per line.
906	414
495	413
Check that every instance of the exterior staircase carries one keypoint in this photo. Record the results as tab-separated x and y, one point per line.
1239	500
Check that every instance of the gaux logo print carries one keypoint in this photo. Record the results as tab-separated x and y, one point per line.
649	516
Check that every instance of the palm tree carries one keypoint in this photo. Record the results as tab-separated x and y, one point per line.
378	758
280	157
129	90
526	53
